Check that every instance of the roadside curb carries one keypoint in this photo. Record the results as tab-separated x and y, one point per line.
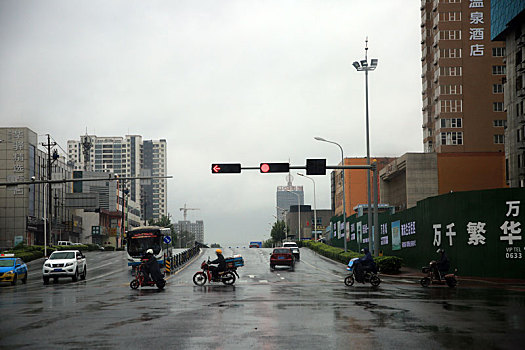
412	274
466	279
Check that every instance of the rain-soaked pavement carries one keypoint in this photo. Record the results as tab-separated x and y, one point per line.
308	308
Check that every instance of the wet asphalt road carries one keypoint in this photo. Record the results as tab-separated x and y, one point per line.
309	308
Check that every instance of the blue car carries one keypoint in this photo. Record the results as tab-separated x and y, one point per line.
12	269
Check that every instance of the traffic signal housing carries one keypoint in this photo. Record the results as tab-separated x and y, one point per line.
226	168
316	167
274	167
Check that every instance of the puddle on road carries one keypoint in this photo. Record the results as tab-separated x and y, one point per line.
33	311
145	317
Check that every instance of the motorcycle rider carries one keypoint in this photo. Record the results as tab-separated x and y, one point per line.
365	263
442	266
221	264
151	266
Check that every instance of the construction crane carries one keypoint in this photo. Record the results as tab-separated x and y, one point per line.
186	210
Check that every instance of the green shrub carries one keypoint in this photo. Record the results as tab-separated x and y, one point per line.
72	247
92	247
388	264
28	256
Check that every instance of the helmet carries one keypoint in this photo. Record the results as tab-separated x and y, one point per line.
149	251
218	251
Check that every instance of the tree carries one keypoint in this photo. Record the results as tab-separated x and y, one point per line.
279	231
165	222
268	243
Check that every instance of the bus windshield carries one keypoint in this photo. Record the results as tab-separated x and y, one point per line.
138	243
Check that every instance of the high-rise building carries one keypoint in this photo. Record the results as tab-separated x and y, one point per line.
23	208
287	196
154	194
127	156
463	75
508	26
186	228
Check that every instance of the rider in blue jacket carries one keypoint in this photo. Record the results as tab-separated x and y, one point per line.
365	263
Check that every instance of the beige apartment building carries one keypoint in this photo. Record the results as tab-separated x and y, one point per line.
463	74
464	118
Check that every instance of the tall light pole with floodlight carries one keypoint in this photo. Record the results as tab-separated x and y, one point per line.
363	66
315	206
344	194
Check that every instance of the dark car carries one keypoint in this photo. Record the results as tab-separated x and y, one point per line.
282	256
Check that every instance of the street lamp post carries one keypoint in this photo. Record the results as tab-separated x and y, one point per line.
299	211
360	67
344	178
315	206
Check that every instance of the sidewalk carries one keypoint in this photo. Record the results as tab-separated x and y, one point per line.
411	273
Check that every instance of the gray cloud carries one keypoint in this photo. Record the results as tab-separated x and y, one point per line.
239	81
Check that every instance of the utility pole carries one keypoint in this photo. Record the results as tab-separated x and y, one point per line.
49	163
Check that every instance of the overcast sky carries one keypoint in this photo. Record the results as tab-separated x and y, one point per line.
222	81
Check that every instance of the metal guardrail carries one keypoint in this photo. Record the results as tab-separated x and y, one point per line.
180	259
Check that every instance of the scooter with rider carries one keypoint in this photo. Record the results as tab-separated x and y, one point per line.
437	271
363	270
148	273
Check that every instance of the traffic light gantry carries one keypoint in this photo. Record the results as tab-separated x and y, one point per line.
313	167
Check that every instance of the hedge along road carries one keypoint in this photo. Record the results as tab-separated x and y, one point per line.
309	308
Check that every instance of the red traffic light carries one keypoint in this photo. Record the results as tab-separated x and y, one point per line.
225	168
274	167
265	168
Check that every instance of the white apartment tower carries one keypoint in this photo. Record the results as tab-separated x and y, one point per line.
126	157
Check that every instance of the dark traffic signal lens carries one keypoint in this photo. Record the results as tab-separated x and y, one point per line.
316	167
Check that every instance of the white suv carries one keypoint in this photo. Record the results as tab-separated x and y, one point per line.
65	263
295	249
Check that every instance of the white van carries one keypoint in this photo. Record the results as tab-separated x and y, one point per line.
295	249
64	243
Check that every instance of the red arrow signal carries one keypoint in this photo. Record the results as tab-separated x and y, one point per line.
225	168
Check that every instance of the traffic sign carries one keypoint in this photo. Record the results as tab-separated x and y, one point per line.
274	167
167	239
225	168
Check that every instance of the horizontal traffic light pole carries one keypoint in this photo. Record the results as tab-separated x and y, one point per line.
299	167
313	167
109	178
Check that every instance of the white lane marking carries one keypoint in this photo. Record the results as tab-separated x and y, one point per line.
102	276
251	276
282	278
263	281
315	267
100	266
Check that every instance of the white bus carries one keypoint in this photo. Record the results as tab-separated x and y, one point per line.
140	239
